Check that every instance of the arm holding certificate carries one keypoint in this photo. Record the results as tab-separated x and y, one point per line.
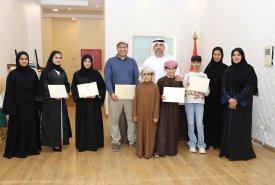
90	86
87	90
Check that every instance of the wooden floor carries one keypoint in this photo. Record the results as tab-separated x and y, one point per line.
121	168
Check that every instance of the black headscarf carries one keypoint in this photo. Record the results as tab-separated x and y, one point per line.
240	74
50	65
84	71
212	63
243	62
18	66
215	71
44	75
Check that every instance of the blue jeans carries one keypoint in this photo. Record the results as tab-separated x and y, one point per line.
195	110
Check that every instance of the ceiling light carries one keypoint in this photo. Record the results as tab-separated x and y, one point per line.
55	10
69	9
65	2
74	19
96	6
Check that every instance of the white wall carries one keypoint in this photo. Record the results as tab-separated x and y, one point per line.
177	18
20	29
249	24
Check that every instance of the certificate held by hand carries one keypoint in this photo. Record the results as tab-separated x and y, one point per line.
58	91
198	84
174	94
87	90
125	92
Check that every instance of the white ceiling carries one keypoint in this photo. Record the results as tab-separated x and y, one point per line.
95	8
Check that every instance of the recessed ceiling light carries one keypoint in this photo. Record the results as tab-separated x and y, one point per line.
55	10
74	19
96	6
65	2
69	9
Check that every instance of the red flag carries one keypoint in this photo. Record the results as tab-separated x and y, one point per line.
195	52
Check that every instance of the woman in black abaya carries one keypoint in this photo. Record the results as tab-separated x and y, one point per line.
19	103
88	117
55	123
238	87
212	108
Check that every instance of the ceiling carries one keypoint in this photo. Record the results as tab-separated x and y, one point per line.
68	8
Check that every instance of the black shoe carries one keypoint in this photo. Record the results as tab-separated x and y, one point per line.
57	149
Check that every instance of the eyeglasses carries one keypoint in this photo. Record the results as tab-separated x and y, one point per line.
122	47
146	74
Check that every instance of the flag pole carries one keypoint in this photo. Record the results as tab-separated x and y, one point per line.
195	51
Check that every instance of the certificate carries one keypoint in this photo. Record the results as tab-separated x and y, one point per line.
58	91
174	94
87	89
125	92
198	84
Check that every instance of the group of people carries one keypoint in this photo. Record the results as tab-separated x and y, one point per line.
222	116
36	119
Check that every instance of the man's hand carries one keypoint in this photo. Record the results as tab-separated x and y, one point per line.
179	78
114	97
135	118
155	120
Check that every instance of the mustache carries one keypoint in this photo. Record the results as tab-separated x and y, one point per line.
159	50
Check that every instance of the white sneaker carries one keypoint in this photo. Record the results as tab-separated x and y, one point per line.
202	151
192	149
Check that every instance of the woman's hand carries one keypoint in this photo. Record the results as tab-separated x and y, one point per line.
232	103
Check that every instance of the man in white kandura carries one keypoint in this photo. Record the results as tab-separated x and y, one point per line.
157	59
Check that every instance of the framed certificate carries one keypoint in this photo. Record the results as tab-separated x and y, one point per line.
58	91
174	94
87	89
198	84
125	92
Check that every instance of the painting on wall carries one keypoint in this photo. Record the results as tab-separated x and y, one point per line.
142	47
96	54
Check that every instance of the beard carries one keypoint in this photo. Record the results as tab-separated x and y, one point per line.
159	52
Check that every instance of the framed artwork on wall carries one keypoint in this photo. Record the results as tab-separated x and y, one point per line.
96	54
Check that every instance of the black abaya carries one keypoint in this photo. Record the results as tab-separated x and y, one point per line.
23	137
88	118
212	119
239	83
55	124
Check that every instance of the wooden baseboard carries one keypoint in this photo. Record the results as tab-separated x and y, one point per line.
271	148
